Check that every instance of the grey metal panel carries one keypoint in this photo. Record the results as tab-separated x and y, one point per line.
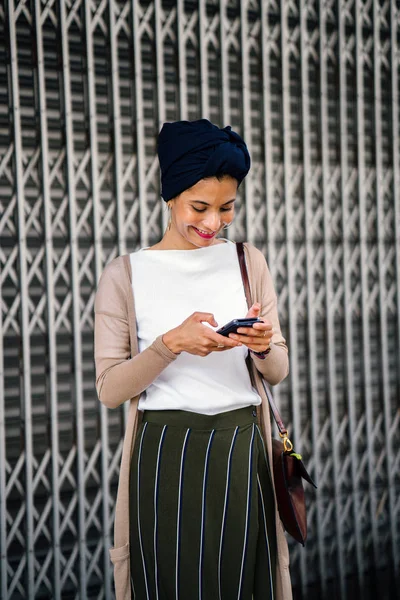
75	172
392	414
25	515
329	177
346	65
314	88
316	290
53	499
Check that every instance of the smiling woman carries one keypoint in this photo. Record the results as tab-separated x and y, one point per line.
196	515
200	213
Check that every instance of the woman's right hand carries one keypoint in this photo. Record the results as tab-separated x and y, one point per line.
195	338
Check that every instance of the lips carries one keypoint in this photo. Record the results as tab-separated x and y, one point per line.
204	235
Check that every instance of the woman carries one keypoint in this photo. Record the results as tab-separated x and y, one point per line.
196	515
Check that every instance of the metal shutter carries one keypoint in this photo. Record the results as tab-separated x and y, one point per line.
313	86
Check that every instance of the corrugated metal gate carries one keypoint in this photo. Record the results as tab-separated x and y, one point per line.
314	88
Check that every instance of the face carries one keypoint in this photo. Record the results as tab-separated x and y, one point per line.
199	213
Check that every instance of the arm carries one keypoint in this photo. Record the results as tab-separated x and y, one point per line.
275	366
119	376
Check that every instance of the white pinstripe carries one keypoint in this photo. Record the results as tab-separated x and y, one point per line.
247	513
266	537
178	524
203	502
155	508
228	474
265	452
138	511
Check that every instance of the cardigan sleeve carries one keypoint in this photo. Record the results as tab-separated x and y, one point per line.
119	376
275	366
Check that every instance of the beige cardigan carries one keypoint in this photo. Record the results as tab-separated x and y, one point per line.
122	373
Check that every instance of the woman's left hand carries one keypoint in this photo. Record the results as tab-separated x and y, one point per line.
258	337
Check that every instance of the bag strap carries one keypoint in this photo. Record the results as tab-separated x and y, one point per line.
246	284
243	270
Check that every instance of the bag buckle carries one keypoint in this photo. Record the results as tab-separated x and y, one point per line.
287	444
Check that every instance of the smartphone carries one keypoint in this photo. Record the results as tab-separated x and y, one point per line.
233	326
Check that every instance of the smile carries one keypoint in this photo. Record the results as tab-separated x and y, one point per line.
204	234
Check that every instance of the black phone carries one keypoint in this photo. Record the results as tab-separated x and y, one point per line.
234	325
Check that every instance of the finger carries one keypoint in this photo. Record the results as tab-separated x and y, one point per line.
259	340
222	348
266	325
253	331
254	311
205	317
222	340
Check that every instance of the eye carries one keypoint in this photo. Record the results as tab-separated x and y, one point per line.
201	210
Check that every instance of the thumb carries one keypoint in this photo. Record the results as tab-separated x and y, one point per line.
254	311
206	318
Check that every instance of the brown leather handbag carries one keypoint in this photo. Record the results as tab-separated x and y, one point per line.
289	470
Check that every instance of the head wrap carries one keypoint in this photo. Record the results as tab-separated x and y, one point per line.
191	150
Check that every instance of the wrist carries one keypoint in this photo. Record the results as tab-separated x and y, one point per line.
170	340
263	354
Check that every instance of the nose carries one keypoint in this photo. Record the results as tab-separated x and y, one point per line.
213	221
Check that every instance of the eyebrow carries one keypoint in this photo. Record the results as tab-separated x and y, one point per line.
207	204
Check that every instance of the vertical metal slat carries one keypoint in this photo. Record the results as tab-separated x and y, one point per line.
226	113
183	99
94	183
383	342
266	108
161	97
310	254
26	392
330	311
51	316
349	336
77	343
366	334
3	452
140	147
117	145
3	458
390	427
289	214
247	184
203	55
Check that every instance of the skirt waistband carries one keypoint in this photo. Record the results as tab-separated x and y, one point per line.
184	418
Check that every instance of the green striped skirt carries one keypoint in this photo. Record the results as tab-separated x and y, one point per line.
202	518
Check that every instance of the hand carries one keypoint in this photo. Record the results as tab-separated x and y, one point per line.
195	338
256	338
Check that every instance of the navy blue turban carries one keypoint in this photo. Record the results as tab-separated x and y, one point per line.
191	150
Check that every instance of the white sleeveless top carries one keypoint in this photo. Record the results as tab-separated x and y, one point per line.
169	286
